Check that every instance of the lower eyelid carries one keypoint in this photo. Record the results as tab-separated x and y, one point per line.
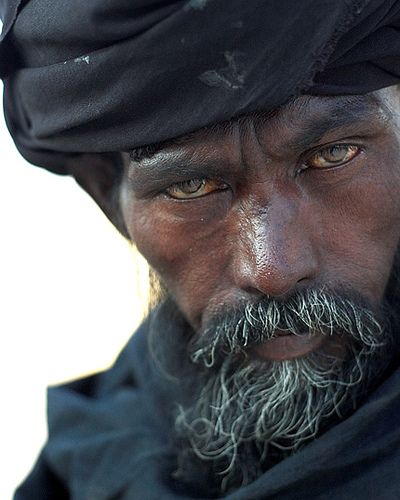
360	150
219	185
215	192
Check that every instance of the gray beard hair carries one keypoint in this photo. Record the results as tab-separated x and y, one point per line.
248	409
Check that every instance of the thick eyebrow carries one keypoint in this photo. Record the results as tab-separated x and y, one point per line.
357	112
167	168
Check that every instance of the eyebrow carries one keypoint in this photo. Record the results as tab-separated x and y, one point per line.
162	170
346	112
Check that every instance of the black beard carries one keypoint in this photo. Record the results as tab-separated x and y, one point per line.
248	413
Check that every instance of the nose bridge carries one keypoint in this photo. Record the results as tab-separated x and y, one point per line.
275	250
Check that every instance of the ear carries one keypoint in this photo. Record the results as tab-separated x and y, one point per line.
100	174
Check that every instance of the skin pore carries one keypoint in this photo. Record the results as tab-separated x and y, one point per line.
276	236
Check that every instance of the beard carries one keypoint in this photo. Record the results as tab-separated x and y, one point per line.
250	413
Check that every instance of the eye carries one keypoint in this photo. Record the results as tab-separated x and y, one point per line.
332	156
195	188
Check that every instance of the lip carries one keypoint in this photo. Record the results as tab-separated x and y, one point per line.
288	346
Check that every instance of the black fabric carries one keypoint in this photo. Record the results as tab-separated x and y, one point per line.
110	438
111	75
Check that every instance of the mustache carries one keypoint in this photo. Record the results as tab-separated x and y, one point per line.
341	312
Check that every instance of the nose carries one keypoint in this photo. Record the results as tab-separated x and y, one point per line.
275	250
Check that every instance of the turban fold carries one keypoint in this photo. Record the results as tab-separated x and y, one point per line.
111	75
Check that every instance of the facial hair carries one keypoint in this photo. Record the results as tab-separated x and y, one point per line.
249	413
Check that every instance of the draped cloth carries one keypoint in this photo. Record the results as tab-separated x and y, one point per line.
112	75
110	438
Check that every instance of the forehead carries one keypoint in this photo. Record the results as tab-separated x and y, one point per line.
313	116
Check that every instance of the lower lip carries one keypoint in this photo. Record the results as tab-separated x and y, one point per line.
290	346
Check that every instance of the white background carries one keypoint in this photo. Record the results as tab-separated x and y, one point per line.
69	299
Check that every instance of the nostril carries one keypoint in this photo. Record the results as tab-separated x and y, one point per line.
274	260
274	281
303	279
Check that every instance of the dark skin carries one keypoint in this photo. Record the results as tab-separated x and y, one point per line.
307	196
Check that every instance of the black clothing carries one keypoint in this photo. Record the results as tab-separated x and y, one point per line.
109	438
111	75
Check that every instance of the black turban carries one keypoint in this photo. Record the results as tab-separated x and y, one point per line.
111	75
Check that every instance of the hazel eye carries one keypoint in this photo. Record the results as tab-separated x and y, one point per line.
194	188
332	156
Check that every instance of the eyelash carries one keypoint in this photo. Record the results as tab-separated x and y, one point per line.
303	167
311	154
224	187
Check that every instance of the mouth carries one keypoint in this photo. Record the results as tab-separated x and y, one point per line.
286	346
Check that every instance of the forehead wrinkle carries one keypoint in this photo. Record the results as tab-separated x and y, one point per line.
299	113
306	120
292	116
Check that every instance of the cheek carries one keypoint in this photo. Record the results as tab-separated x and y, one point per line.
363	230
189	253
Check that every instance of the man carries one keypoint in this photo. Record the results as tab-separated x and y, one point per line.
252	155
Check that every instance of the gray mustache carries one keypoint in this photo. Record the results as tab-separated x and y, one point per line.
308	312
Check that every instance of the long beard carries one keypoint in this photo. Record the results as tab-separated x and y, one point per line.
250	413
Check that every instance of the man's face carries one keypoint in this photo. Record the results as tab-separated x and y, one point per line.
307	197
276	237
